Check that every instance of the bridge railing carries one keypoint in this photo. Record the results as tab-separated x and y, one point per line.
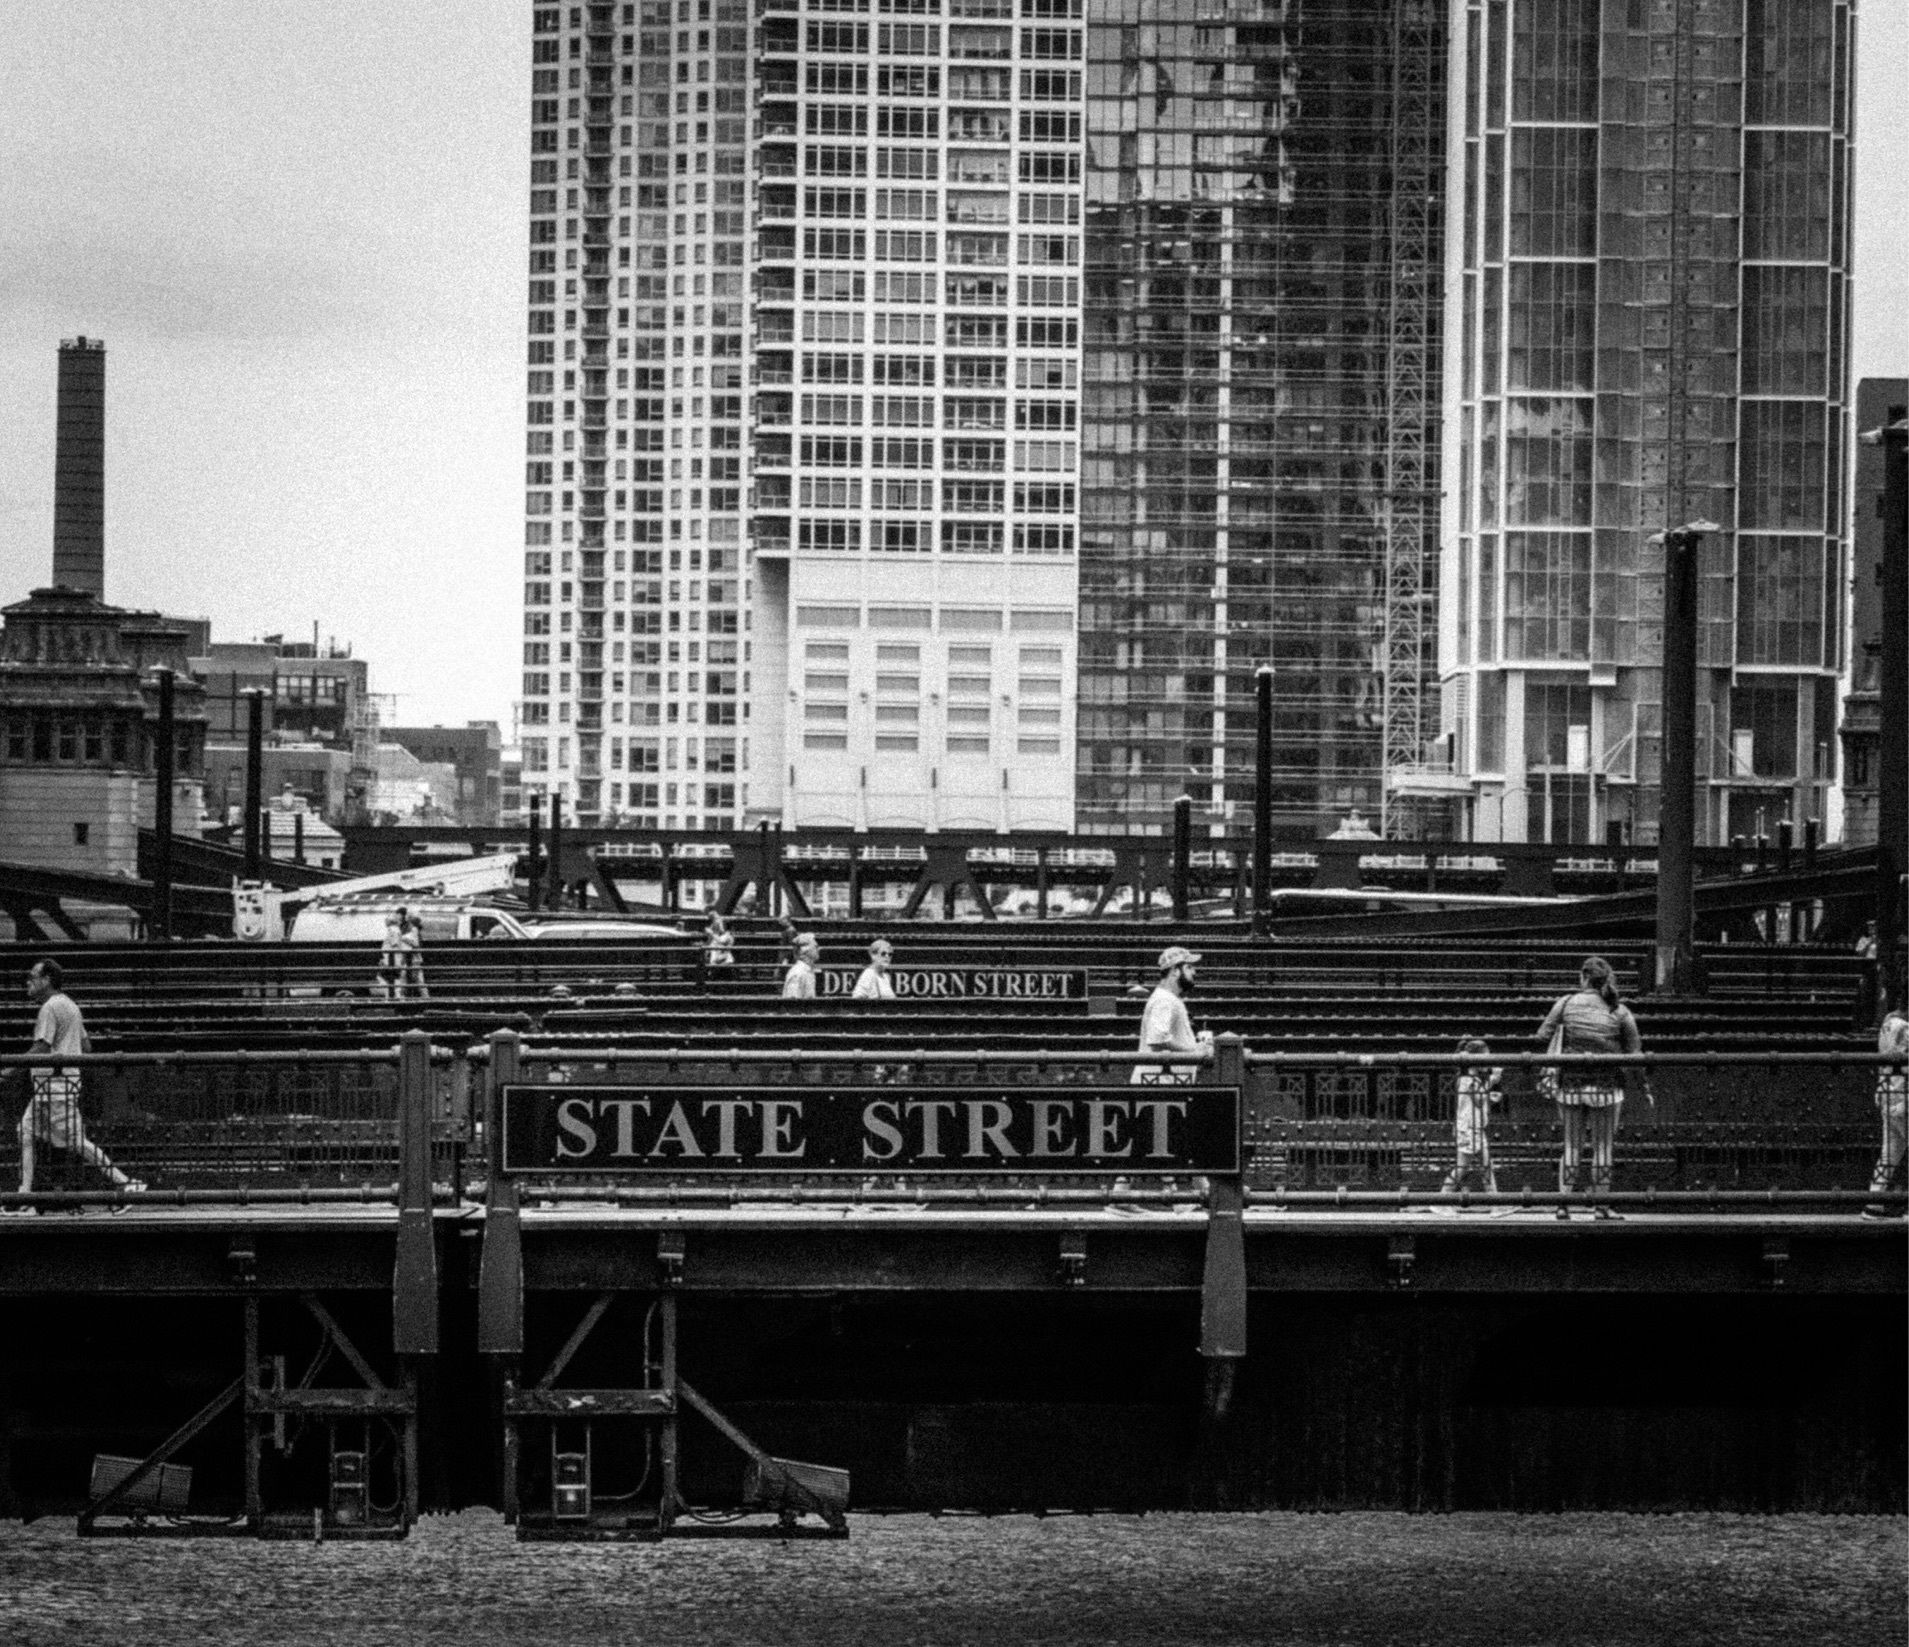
1316	1128
1714	1124
311	1125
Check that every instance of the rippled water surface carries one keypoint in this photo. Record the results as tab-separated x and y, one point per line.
1333	1580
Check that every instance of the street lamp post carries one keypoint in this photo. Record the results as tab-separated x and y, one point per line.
1677	804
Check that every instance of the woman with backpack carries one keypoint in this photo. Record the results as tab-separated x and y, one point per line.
1590	1019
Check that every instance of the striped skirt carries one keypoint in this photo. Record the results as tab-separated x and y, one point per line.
1602	1096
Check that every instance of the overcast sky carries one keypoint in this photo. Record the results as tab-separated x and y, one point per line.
299	229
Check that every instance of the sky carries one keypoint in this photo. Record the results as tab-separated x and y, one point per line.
300	230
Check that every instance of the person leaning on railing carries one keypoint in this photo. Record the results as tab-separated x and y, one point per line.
1589	1020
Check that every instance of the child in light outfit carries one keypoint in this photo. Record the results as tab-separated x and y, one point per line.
1478	1089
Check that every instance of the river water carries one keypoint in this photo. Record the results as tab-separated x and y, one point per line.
1330	1580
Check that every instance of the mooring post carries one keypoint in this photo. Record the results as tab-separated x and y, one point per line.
414	1308
1223	1283
1182	855
165	746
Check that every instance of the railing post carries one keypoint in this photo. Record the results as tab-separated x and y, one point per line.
500	1269
1223	1283
414	1309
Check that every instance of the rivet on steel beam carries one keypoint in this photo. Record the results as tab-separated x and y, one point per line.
1402	1253
1776	1253
1073	1269
670	1246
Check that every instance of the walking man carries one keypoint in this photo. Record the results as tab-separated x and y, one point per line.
1164	1024
53	1113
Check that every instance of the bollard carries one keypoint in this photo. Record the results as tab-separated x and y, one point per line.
1785	841
1812	834
500	1266
414	1304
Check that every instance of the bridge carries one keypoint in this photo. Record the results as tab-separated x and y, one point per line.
377	1269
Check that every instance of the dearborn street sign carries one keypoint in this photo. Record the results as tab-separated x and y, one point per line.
673	1130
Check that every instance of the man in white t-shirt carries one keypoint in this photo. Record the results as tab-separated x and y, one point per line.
53	1113
798	984
874	983
1165	1026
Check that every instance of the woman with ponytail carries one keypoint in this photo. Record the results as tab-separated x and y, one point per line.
1590	1019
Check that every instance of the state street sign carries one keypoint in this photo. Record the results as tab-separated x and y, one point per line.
964	983
670	1131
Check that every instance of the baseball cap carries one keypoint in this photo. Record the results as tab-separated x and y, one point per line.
1175	955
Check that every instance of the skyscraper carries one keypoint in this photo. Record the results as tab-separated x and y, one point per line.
810	297
636	669
1264	239
1650	287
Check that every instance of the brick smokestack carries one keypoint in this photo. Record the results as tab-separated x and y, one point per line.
79	469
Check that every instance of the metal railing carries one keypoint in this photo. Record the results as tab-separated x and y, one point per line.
307	1125
1737	1129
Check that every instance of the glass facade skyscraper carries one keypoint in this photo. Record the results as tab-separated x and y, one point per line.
1650	280
1259	418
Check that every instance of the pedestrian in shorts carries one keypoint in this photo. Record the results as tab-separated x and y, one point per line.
52	1115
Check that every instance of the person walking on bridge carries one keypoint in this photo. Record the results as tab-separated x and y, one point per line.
1164	1024
799	984
874	983
53	1113
1591	1019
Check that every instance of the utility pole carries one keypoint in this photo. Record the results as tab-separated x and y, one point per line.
1263	801
1677	804
165	744
1892	774
254	782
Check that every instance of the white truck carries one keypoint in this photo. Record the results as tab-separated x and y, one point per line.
449	896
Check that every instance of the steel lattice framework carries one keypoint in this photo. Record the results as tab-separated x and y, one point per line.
1412	388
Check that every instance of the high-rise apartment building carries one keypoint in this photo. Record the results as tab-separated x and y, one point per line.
1649	276
636	673
801	481
917	182
829	300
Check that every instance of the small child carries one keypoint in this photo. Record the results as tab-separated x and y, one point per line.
1478	1089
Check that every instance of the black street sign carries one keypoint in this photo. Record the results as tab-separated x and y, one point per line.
670	1131
963	983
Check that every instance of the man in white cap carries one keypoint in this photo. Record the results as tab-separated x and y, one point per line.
1164	1025
874	983
798	983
